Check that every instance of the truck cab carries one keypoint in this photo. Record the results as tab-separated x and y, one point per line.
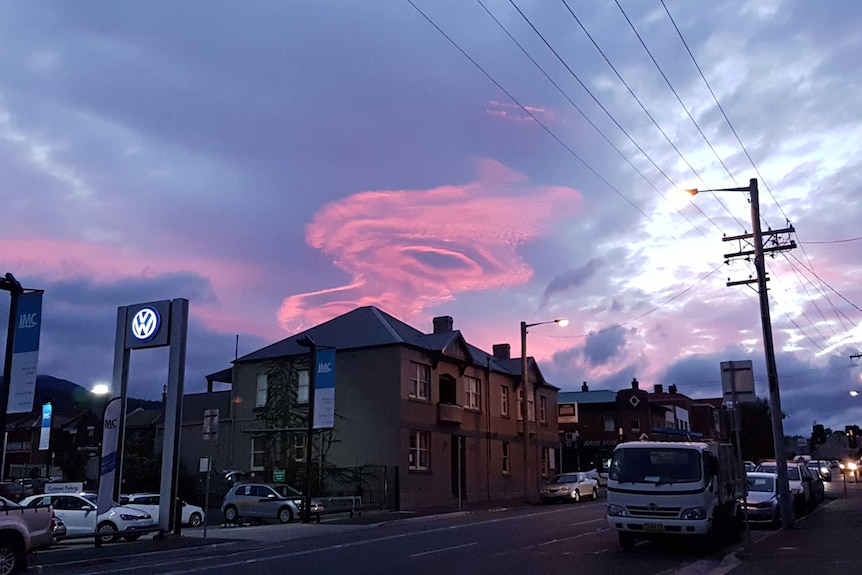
664	488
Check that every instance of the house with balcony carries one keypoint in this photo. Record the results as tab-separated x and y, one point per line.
430	417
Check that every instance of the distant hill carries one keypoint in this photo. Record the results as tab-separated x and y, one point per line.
70	399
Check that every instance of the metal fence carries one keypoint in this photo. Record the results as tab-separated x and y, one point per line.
366	485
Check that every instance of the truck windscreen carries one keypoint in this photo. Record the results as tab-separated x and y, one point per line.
656	465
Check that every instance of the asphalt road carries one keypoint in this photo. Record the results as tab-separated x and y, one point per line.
529	540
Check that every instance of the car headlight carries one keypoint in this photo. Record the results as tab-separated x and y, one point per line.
824	470
693	513
563	488
851	466
617	511
127	517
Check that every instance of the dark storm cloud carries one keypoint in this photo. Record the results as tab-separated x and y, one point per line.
571	279
601	347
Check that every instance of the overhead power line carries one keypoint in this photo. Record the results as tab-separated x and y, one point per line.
528	112
598	130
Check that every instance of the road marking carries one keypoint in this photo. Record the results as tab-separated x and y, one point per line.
585	522
445	549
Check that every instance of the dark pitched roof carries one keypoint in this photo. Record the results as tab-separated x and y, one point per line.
597	396
365	326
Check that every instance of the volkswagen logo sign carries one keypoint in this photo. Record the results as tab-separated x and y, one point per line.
145	324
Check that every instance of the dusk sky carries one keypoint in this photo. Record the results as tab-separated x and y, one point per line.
281	163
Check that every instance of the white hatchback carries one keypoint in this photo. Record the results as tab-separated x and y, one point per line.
192	514
78	513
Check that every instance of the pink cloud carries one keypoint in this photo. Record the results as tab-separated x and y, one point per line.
408	250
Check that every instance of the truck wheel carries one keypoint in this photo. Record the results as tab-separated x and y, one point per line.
11	556
627	540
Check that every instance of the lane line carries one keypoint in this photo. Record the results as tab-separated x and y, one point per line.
445	549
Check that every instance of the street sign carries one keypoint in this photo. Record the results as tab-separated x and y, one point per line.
737	378
278	475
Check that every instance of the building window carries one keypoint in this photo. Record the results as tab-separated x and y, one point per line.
302	383
544	462
506	469
520	404
474	399
258	452
299	448
543	409
609	422
636	422
531	407
420	381
504	401
420	447
262	389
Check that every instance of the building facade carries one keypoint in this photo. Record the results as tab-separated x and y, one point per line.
440	416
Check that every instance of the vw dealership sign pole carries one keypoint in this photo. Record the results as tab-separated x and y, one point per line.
141	326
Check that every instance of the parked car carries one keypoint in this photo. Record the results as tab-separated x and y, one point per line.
822	468
192	515
14	491
78	513
749	466
570	486
799	480
22	531
600	476
277	501
761	503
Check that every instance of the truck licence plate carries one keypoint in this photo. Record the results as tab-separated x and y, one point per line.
653	527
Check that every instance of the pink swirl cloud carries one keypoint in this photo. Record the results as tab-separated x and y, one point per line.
410	249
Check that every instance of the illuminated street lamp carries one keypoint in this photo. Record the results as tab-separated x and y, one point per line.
524	414
787	519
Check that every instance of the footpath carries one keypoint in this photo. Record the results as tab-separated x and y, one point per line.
821	542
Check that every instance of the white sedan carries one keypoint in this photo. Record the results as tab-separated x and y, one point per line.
192	514
78	513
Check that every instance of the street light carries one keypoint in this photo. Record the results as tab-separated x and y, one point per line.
787	519
525	415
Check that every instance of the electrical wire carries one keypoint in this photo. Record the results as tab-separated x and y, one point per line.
641	316
833	241
528	112
649	115
598	130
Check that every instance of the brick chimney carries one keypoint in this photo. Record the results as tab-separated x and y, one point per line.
659	388
585	387
502	350
634	383
671	388
443	324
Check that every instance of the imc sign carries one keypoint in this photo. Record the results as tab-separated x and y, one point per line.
148	325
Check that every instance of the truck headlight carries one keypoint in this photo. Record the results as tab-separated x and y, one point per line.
617	511
693	513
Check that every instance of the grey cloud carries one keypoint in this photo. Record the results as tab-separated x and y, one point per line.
571	279
601	347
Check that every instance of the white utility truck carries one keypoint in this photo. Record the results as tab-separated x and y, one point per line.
674	488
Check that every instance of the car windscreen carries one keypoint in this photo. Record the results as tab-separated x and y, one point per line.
285	490
565	479
761	484
656	465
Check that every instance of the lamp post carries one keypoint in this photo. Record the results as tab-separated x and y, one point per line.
524	402
785	505
309	430
13	286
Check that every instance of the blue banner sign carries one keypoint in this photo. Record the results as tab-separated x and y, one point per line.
324	389
25	353
45	434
